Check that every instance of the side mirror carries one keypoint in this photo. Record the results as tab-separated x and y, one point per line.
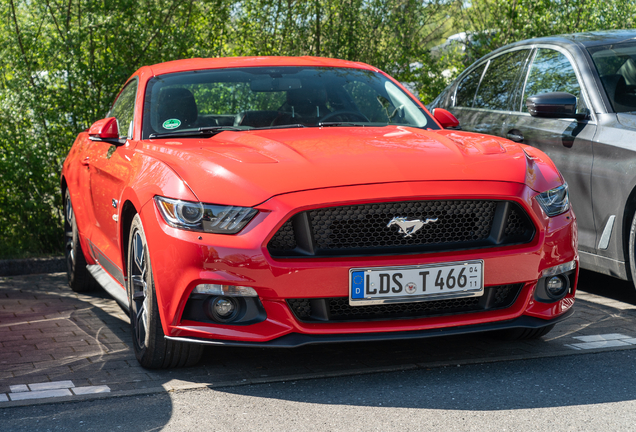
554	105
445	118
105	130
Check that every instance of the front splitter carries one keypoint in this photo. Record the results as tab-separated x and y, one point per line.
293	340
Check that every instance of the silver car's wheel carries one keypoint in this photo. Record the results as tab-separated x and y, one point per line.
151	348
631	250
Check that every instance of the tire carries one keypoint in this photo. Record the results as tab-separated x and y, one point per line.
79	278
523	333
631	250
151	348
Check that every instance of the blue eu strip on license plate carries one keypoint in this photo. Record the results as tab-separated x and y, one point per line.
357	284
416	283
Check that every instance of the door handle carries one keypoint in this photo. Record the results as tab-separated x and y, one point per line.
86	161
515	136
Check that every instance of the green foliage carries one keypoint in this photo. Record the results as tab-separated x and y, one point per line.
495	23
389	34
62	62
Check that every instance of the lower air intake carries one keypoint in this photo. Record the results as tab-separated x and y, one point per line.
337	309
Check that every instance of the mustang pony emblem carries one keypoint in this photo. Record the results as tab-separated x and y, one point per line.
409	227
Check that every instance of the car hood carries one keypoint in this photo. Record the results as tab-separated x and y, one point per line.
247	168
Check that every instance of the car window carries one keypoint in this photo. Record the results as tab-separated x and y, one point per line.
467	87
551	71
392	106
248	98
364	98
616	66
499	82
124	109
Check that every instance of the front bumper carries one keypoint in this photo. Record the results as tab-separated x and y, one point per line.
293	340
181	260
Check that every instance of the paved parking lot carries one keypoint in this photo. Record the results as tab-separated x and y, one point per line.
60	345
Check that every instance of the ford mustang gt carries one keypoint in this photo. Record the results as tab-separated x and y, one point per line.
278	201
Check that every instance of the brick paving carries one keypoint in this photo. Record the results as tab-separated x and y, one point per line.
49	334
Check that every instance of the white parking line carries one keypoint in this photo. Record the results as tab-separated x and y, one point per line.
52	385
40	394
49	389
604	337
19	388
602	341
91	390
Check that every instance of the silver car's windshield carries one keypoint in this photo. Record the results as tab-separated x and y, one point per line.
276	97
616	66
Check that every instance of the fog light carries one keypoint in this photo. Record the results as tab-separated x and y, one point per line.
223	309
556	286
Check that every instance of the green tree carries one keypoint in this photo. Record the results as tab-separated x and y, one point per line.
495	23
389	34
62	64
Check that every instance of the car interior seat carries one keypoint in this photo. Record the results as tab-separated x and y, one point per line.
176	104
303	104
624	96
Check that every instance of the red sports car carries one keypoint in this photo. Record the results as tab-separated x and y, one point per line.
278	201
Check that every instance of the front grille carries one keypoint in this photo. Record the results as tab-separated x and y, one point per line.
360	230
338	308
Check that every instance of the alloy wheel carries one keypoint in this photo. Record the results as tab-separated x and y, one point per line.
140	299
69	244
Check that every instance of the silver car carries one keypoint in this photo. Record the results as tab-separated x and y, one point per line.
574	97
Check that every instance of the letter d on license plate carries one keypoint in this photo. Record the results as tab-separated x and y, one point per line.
410	284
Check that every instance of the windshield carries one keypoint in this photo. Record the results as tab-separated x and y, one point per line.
268	97
616	65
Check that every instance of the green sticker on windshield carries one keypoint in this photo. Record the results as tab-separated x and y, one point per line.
171	124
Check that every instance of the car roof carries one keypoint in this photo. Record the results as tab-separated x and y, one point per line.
241	62
587	39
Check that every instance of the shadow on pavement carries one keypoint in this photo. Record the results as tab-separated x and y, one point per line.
129	414
607	286
527	384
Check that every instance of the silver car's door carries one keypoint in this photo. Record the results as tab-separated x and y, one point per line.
568	142
483	97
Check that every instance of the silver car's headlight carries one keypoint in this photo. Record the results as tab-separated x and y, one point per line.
555	201
211	218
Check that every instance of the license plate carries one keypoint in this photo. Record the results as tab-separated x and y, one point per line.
409	284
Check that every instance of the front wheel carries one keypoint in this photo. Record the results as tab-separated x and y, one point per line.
151	348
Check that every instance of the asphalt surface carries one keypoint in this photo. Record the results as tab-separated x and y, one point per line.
60	346
590	392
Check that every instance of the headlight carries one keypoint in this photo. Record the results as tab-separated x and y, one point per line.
196	216
555	201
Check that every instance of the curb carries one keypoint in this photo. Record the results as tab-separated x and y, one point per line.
17	267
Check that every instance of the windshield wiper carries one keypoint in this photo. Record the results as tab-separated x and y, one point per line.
285	126
208	130
331	124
